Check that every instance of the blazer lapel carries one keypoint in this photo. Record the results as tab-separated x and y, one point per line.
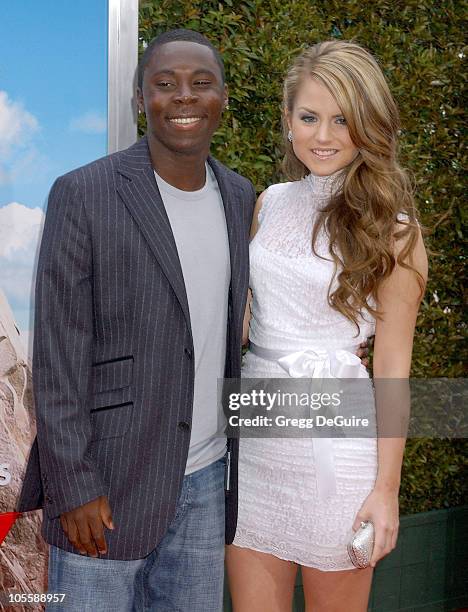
238	242
139	191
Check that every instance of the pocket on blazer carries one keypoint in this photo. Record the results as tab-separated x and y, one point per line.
112	374
111	421
111	382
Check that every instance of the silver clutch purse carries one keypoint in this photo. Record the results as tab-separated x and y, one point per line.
361	545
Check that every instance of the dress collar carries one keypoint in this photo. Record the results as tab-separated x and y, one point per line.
324	186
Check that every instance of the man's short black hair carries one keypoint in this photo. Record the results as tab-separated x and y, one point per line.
171	36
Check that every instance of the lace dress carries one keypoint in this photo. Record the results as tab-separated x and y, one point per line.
280	509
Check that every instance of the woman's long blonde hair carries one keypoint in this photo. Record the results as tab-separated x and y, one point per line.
361	217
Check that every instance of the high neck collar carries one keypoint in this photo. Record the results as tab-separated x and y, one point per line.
325	186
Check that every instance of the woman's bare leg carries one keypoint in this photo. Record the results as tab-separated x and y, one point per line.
259	581
336	591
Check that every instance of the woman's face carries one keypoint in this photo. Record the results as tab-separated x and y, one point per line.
320	135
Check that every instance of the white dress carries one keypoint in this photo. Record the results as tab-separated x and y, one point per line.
279	507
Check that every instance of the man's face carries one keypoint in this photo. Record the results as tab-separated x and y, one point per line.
183	97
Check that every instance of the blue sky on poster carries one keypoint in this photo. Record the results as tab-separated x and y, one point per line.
53	109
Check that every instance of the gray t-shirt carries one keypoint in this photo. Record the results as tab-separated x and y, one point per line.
199	226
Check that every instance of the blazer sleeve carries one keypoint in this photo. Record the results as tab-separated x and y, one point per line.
62	356
251	207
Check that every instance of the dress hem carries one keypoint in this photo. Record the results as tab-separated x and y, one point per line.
293	560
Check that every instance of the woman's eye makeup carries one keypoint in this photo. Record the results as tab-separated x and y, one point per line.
308	118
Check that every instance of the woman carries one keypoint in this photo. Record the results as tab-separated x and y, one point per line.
336	255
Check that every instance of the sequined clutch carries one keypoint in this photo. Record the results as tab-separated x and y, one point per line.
361	545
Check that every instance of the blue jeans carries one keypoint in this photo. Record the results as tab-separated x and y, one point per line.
184	573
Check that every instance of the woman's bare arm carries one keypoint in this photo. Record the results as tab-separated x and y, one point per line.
253	231
398	300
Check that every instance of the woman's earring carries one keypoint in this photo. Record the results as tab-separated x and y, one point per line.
290	136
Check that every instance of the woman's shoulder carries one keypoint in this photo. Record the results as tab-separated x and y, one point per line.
274	193
280	188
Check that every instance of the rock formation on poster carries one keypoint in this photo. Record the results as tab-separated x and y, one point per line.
23	552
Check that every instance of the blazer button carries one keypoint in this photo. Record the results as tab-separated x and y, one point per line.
188	352
184	426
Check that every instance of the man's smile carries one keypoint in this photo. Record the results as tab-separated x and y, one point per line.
185	120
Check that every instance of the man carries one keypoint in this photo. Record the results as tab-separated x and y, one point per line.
141	288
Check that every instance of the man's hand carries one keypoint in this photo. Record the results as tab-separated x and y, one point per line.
83	526
363	353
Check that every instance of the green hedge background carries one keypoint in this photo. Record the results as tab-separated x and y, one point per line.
419	44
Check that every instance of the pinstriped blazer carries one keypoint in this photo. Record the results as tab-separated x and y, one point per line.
113	366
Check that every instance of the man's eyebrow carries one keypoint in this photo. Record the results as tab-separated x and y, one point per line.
204	71
164	71
171	72
308	110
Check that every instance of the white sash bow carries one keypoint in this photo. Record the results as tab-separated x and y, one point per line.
318	363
